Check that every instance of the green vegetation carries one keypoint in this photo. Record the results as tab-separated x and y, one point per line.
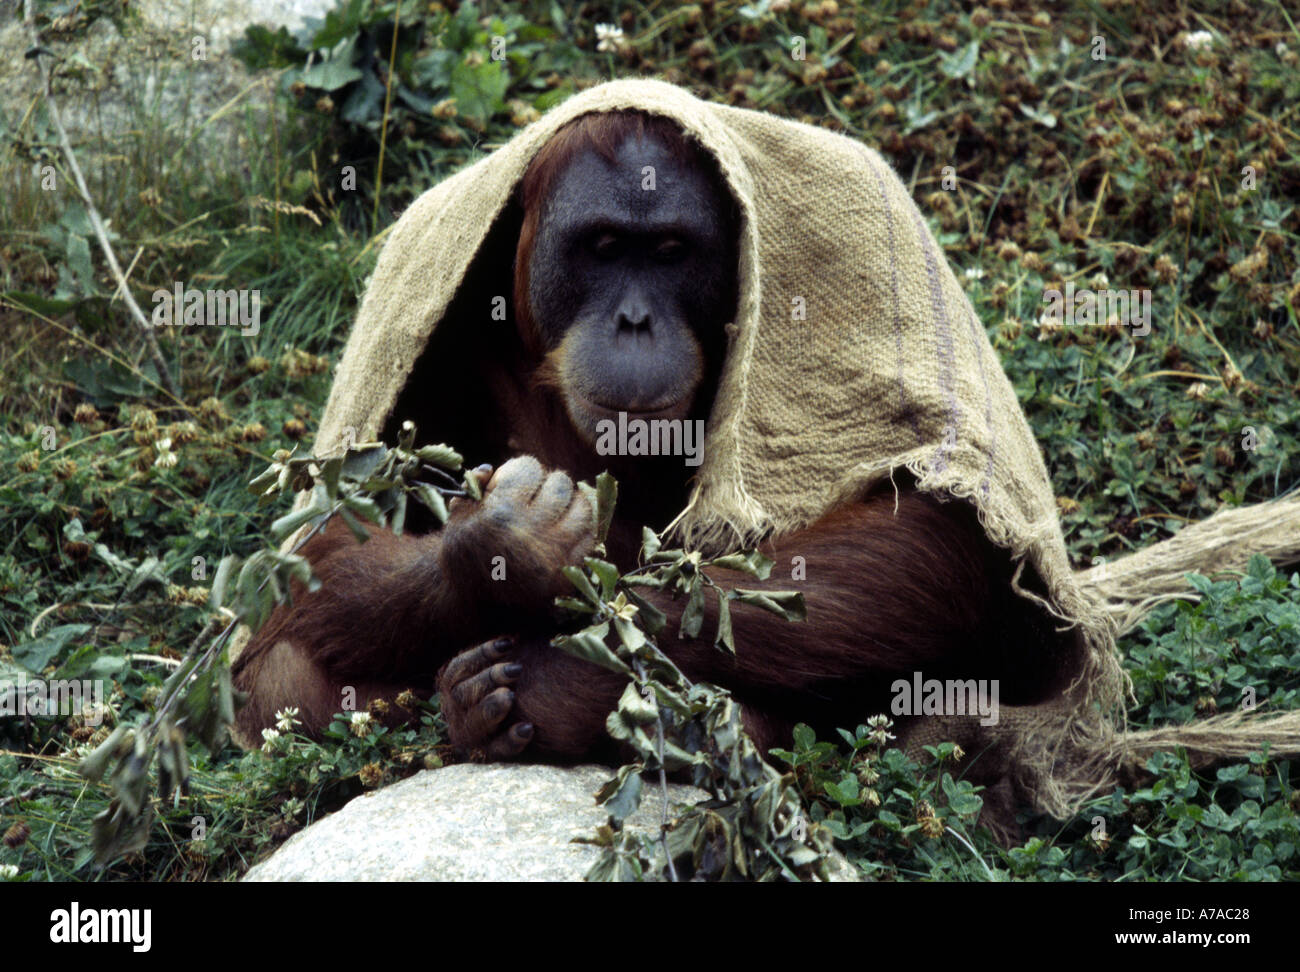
118	502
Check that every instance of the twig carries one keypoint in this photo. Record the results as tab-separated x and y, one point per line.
1181	374
157	659
97	224
383	127
27	794
663	783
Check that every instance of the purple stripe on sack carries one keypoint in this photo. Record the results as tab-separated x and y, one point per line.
943	329
975	334
893	287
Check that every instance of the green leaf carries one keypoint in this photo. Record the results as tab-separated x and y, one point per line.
119	742
358	531
606	573
442	456
148	572
606	498
360	463
652	619
364	104
625	730
260	48
398	521
116	831
330	472
633	706
366	507
590	644
693	613
750	562
578	578
203	707
573	604
470	484
788	604
479	89
104	380
264	481
431	499
433	70
34	655
1261	568
336	70
286	524
77	260
962	799
684	836
130	778
629	634
622	795
804	737
217	596
845	792
724	636
650	544
625	802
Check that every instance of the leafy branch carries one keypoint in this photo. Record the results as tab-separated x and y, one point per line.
199	699
753	826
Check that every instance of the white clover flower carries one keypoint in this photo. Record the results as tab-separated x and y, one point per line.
269	736
974	273
8	872
286	719
166	458
609	38
1198	39
1099	280
361	723
1280	48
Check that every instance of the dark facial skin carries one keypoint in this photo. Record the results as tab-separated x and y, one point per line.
633	284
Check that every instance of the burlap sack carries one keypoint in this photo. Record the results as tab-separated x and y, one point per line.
855	354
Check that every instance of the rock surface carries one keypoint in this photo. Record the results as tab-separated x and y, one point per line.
110	83
222	22
467	822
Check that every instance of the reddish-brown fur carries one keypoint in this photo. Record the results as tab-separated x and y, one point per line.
896	582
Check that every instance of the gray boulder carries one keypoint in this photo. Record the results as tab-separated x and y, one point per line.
467	822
